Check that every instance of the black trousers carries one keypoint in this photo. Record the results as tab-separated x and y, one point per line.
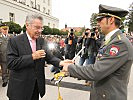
35	95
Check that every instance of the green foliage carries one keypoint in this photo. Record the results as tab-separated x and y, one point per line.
47	30
24	28
130	18
80	33
55	31
13	27
63	33
93	21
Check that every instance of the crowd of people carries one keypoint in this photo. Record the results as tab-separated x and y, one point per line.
106	57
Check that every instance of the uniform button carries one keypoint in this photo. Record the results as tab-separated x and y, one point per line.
104	95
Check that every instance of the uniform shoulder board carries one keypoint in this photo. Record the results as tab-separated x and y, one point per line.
0	35
119	37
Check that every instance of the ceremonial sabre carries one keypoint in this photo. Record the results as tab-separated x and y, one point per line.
78	53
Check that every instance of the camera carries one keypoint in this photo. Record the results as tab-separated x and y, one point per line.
92	34
71	32
86	33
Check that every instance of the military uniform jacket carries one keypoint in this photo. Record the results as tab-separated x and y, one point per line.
3	46
130	38
24	71
110	71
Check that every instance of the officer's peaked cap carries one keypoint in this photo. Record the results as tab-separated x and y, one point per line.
3	25
105	10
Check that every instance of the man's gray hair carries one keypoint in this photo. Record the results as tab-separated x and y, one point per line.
31	17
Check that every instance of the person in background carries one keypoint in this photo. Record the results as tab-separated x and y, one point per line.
4	37
82	43
111	70
70	45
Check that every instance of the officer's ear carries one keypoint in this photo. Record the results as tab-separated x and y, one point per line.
112	20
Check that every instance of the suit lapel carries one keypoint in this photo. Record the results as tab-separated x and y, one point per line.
26	44
114	36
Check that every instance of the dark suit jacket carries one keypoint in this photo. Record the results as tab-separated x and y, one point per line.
24	71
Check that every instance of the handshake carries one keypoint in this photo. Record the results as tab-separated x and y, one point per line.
65	64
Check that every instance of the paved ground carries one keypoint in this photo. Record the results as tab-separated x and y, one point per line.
72	89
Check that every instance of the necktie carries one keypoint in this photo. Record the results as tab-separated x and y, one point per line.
33	45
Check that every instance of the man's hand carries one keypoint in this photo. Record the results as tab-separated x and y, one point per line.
38	54
65	64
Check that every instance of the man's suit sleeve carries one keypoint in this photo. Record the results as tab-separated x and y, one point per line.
103	67
14	60
50	58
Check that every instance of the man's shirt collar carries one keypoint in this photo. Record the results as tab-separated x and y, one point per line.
29	38
108	36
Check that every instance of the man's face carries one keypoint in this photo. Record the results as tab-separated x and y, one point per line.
35	28
5	30
89	33
104	25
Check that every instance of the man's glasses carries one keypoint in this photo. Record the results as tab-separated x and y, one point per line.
38	28
100	19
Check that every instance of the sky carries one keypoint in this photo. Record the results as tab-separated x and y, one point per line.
77	13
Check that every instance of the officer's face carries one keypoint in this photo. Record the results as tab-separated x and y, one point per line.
103	24
35	28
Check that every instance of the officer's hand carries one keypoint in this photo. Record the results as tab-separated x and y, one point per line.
62	63
65	64
38	54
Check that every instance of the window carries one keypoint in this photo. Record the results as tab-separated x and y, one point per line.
49	24
22	1
53	25
44	9
38	7
11	17
32	4
48	2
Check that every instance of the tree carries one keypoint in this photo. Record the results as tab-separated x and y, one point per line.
24	28
93	21
55	31
63	33
13	27
80	33
130	18
47	30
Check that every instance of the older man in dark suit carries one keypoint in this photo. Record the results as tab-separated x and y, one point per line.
26	56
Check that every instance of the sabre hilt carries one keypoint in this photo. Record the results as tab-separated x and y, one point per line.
58	77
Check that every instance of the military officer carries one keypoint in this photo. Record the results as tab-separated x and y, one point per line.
111	70
4	36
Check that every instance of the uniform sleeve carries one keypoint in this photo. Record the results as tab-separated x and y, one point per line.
112	59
